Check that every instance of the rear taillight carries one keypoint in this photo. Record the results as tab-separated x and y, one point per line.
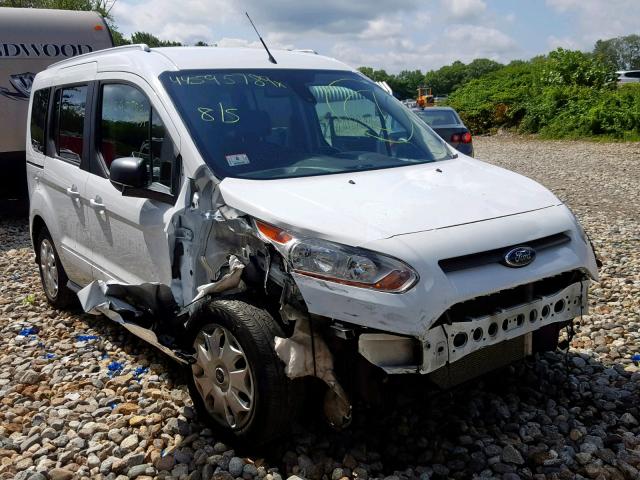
461	137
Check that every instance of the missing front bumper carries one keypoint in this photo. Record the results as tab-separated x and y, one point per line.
505	334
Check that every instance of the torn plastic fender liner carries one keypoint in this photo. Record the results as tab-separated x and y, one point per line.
297	353
107	298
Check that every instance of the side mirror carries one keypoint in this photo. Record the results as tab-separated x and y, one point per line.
130	172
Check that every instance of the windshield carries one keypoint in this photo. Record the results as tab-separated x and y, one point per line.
265	124
438	117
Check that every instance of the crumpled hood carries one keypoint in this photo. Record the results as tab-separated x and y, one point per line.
356	208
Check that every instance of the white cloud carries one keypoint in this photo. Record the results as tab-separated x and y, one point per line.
597	19
459	42
568	43
382	27
186	22
464	9
481	40
411	34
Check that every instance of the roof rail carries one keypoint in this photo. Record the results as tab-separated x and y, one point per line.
303	50
138	46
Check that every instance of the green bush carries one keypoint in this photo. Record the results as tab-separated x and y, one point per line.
612	113
563	95
497	99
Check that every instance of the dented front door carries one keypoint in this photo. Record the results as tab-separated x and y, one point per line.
128	234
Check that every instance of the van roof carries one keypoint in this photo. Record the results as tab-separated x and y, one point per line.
157	60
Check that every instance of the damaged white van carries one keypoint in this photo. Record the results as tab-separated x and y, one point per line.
263	221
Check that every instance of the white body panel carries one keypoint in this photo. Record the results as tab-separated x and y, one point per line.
389	202
128	239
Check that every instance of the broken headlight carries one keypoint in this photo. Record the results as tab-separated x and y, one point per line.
341	263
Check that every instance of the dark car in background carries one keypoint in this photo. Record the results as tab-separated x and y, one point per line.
446	123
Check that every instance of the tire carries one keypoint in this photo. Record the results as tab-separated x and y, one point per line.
52	275
253	407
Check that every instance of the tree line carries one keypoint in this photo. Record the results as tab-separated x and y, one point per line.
621	53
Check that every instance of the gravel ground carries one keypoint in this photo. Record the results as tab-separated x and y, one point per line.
80	398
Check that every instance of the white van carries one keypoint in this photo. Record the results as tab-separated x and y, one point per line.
265	222
30	40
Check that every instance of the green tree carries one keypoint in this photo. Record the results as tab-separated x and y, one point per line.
572	67
151	40
481	66
118	38
375	75
446	79
406	83
451	77
620	53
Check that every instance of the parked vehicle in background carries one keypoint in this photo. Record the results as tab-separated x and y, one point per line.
440	99
447	123
263	223
628	76
30	40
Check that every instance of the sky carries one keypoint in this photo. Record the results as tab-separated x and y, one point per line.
393	35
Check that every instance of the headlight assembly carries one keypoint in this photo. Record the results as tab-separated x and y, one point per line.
579	227
338	263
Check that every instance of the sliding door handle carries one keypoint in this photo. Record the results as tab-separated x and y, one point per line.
73	192
96	204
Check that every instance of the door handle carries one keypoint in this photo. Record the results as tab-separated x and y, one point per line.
96	203
73	192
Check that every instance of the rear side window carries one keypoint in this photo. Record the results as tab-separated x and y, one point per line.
69	131
39	119
129	127
438	117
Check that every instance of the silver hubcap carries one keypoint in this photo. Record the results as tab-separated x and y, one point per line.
49	268
223	377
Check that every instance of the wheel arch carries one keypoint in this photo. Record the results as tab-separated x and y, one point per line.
37	226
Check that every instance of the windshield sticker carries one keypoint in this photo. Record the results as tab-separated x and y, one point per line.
237	159
227	79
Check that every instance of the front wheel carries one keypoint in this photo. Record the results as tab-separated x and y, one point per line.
238	382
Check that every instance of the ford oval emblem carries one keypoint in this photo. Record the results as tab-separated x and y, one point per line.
519	257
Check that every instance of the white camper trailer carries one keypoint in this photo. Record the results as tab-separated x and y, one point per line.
30	41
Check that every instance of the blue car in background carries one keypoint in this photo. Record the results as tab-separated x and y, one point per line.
446	123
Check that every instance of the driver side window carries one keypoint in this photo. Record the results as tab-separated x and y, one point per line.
130	127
